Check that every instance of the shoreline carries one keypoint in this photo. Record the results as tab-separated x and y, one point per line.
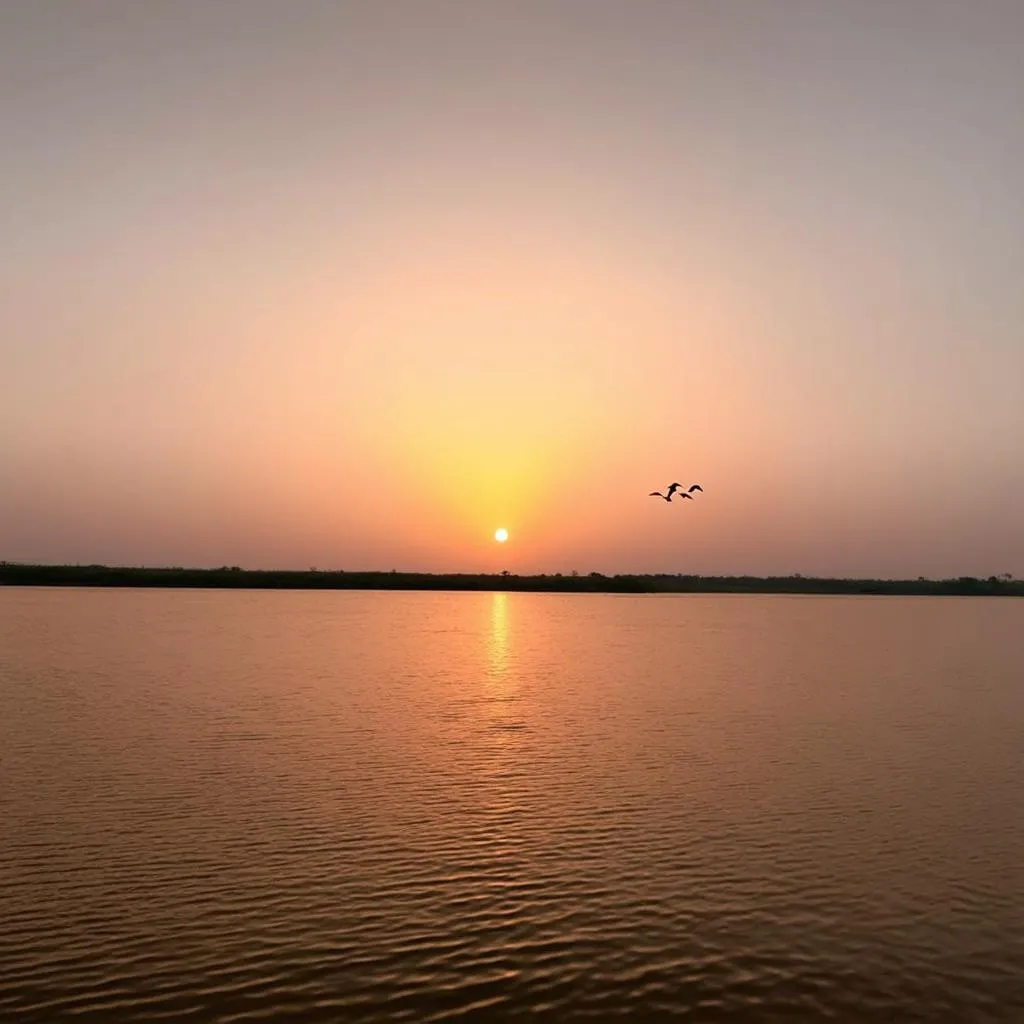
233	578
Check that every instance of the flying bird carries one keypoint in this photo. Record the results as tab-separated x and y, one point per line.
688	493
671	490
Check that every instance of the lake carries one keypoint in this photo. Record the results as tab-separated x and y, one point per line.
374	806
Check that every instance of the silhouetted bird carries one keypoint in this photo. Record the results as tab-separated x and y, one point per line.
688	493
671	490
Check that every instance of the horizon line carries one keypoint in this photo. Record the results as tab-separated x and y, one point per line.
497	574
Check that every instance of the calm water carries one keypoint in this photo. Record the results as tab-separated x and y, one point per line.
368	806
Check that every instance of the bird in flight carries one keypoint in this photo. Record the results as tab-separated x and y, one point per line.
672	488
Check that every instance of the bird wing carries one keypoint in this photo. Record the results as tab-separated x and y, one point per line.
655	494
697	487
674	487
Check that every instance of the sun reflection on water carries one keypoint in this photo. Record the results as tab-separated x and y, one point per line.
499	635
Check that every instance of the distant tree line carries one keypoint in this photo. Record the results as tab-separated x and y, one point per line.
233	577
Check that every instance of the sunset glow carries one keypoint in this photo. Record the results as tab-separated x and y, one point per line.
511	509
350	289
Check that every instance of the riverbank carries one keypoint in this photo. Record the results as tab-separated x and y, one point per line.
16	574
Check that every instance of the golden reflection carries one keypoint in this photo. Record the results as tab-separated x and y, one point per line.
499	635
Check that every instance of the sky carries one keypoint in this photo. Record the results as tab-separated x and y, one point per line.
293	283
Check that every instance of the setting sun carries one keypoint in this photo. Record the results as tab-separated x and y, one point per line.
501	535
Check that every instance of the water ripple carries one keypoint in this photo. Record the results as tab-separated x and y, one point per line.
409	807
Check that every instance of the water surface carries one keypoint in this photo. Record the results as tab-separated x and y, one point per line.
234	806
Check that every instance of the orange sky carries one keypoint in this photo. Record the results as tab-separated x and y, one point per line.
353	285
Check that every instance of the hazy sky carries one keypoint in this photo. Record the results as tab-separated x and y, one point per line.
351	284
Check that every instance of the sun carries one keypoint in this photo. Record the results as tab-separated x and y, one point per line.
501	535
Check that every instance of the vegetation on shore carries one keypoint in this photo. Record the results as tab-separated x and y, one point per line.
18	574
